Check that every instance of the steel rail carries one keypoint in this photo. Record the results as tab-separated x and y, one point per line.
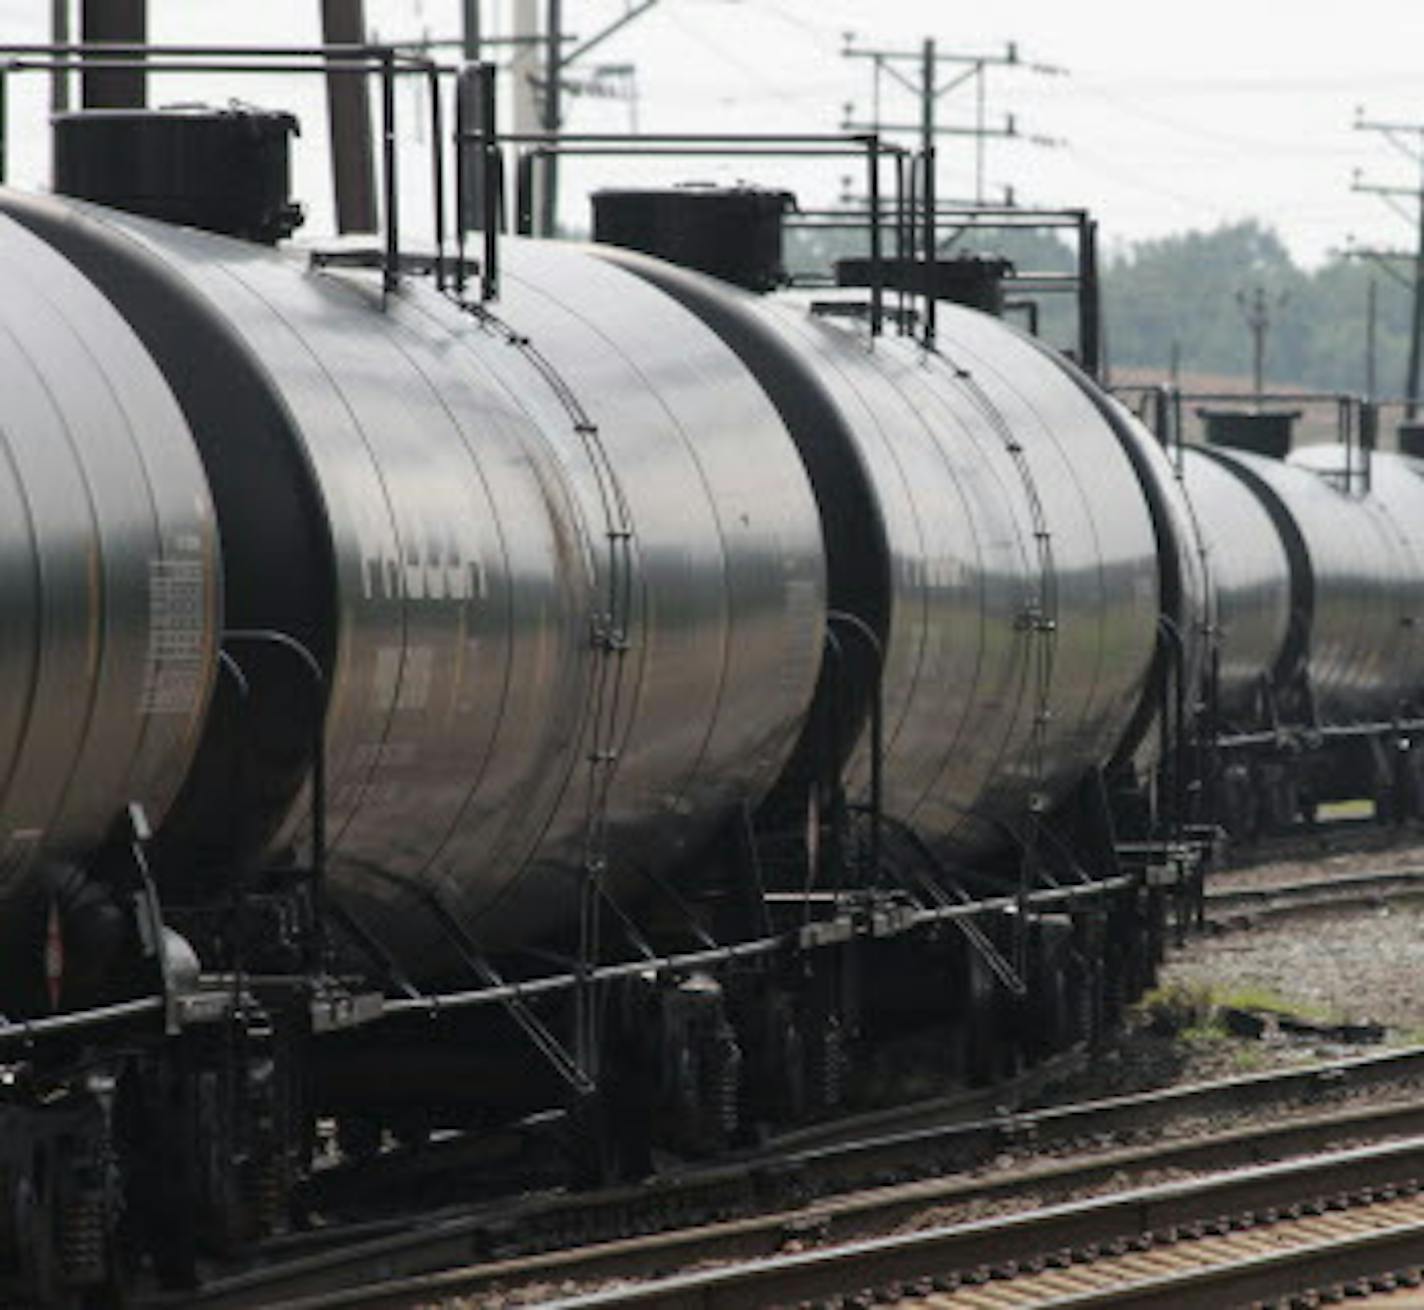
1006	1244
1235	898
785	1173
862	1214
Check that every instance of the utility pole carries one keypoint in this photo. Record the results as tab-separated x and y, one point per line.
470	52
348	109
1408	138
121	22
538	68
556	64
923	84
553	113
1257	312
470	31
1372	340
59	30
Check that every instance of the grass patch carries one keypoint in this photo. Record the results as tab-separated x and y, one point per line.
1197	1011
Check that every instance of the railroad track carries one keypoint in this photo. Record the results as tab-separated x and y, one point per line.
891	1178
1349	891
1231	1239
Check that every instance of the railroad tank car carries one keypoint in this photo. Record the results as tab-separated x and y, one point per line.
1250	578
1317	574
418	503
1390	482
960	494
1353	586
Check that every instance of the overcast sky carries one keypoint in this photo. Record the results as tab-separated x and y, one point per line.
1171	116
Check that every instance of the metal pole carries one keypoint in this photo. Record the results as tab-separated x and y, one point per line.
877	269
1416	329
348	107
467	150
489	170
388	169
463	93
927	99
121	22
59	79
524	193
1371	340
471	34
4	124
927	152
931	252
980	140
1090	310
553	67
437	172
1258	344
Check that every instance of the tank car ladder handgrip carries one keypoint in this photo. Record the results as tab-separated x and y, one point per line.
136	839
316	678
1039	619
609	639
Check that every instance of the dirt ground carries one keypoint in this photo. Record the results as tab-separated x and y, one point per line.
1356	967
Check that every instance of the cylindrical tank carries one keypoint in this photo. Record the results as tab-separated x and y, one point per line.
1396	492
1250	581
1350	584
109	590
962	497
466	496
1184	583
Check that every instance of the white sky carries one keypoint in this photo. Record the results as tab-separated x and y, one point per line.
1174	116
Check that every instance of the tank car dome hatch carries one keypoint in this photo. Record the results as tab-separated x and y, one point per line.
731	233
975	281
1267	432
1411	439
225	170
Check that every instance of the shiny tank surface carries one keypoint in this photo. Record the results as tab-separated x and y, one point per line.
1351	584
1184	581
1250	580
963	496
726	606
1397	490
109	591
479	481
1075	615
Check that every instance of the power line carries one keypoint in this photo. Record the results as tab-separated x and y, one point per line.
918	72
1408	139
1256	309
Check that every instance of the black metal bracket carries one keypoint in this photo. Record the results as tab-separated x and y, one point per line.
311	669
563	1062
